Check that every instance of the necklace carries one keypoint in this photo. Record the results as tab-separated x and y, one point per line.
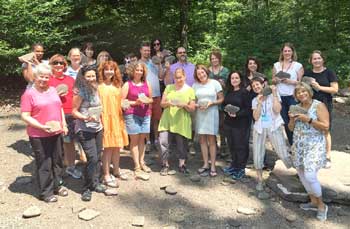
290	65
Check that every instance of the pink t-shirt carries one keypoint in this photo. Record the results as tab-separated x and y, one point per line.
141	110
43	106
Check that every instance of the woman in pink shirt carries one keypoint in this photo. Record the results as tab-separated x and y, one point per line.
137	94
41	109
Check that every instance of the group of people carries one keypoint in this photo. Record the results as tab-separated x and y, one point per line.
99	108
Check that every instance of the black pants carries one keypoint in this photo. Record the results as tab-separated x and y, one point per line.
287	101
238	143
49	164
92	146
166	138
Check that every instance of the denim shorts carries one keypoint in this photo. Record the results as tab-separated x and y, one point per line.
136	124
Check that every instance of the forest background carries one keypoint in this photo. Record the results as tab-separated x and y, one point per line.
240	28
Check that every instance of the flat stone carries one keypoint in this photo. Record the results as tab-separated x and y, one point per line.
233	223
138	221
195	178
23	180
111	192
263	195
291	218
177	218
170	190
246	211
32	211
88	214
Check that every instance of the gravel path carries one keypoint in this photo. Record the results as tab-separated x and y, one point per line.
209	203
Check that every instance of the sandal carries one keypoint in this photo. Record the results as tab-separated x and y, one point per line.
50	199
111	183
140	175
61	191
121	176
213	173
203	172
145	168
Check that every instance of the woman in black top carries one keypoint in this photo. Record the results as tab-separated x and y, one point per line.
324	86
237	125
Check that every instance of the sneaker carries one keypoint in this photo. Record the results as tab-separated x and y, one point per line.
164	170
73	172
86	196
184	170
238	174
308	207
229	170
328	164
322	215
100	188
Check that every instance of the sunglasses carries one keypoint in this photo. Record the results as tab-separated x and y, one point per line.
58	62
156	44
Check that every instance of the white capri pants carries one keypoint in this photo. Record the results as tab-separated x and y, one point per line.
278	142
310	182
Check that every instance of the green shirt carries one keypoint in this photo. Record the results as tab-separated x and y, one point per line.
174	119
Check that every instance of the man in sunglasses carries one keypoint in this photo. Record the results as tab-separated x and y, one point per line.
181	63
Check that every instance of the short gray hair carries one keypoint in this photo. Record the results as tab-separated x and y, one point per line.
42	69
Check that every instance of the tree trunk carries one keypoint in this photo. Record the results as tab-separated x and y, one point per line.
184	23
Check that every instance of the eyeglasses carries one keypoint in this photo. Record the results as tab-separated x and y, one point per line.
156	44
58	62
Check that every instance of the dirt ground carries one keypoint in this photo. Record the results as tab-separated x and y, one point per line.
206	204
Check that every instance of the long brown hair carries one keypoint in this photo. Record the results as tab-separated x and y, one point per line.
116	79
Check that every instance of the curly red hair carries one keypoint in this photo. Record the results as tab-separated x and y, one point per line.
117	78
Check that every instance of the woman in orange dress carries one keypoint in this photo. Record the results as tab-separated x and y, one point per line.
115	135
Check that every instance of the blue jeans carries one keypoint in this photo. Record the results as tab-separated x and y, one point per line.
286	102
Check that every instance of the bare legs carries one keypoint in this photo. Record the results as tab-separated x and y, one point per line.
137	148
110	154
208	143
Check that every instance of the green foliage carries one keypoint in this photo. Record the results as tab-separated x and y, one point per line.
240	28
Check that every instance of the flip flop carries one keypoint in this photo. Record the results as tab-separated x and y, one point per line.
213	173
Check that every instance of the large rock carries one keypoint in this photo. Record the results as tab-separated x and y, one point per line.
345	92
335	181
340	100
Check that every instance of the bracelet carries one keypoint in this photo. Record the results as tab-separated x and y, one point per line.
310	121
